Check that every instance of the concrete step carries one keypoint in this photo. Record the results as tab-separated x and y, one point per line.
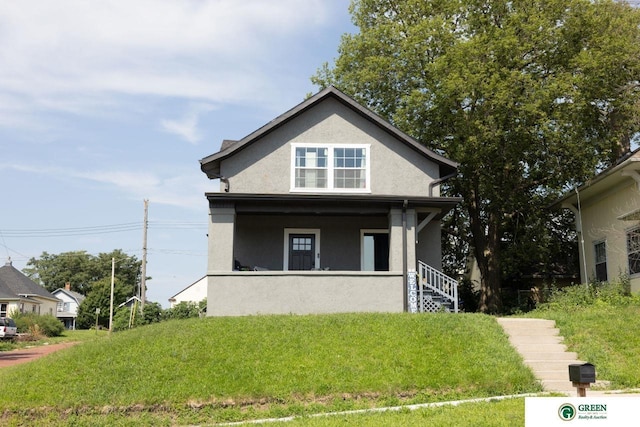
559	386
535	340
525	322
551	365
540	344
548	355
555	375
528	348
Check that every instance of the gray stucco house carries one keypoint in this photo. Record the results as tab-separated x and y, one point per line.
327	208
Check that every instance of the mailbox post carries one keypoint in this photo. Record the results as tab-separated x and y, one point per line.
582	376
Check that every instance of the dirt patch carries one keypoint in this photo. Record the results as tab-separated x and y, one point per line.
24	355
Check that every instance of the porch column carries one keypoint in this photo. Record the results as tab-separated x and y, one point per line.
221	235
395	239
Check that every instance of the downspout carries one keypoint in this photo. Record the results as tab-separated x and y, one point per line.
225	181
584	254
439	181
405	291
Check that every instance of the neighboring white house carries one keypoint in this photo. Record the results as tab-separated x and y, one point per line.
607	212
67	310
195	292
327	208
21	294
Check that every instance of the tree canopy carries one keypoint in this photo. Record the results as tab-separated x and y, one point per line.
529	96
100	297
81	269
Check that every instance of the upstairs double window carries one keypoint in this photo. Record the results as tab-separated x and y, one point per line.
332	167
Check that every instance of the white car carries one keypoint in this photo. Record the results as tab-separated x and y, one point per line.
8	328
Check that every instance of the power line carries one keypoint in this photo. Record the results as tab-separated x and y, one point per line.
76	231
100	229
177	225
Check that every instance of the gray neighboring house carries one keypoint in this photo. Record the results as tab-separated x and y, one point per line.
327	208
20	294
70	301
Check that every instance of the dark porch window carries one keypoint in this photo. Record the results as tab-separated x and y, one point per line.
375	251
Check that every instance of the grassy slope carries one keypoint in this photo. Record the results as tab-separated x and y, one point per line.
604	335
275	365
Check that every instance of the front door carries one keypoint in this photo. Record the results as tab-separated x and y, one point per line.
302	249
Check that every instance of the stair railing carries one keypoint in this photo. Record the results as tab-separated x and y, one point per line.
439	283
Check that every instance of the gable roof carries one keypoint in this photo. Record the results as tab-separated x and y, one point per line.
211	164
77	297
131	301
14	283
611	177
203	278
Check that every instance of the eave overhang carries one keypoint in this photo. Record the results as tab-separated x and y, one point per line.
615	176
328	204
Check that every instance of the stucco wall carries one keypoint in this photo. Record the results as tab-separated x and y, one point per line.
260	239
429	247
600	223
264	166
248	293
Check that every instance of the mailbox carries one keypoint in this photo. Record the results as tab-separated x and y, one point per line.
583	374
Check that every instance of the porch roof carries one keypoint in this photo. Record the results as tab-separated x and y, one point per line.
329	204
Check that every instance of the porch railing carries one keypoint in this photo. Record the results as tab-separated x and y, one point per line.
432	281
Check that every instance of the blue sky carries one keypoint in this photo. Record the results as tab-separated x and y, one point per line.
105	104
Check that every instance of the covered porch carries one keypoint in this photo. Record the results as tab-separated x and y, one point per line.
318	254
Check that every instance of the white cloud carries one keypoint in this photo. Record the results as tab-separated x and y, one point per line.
187	126
181	189
216	50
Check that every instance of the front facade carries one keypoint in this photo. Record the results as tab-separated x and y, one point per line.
67	310
607	212
327	208
19	294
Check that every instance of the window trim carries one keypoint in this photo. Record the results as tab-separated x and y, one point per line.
330	169
635	229
595	259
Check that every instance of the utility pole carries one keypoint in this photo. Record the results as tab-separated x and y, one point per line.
113	271
143	279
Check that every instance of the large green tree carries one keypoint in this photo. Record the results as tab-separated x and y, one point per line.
529	96
100	298
81	269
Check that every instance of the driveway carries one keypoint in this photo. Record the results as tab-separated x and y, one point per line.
24	355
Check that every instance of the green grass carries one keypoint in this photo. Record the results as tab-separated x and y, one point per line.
605	335
504	413
228	369
67	336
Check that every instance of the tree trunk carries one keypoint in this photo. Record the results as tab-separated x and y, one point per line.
486	244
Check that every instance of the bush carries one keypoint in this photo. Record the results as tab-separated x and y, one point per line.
38	325
612	294
125	318
186	310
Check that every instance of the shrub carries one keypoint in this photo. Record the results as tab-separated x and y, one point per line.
38	325
126	318
613	294
185	310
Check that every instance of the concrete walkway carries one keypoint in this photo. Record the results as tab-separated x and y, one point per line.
540	344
